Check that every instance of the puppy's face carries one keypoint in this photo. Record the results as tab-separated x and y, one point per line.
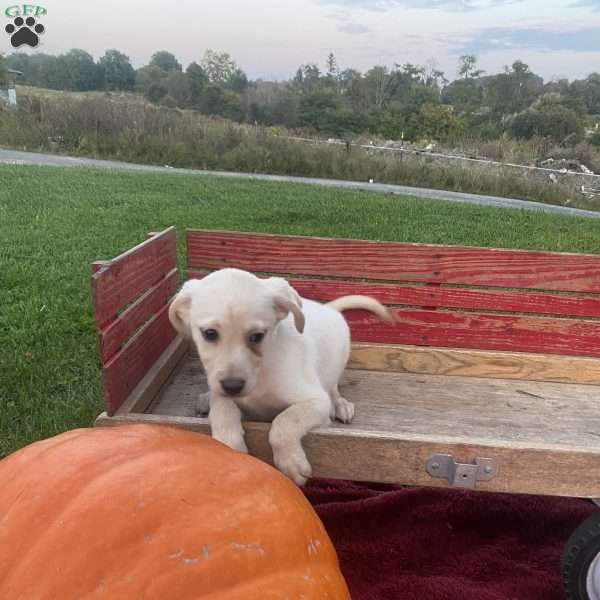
231	315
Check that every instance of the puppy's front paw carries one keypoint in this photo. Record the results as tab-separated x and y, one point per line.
344	410
232	439
203	403
293	463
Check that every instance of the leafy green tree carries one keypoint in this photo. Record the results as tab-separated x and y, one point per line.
307	79
165	61
499	97
116	71
411	92
467	67
285	109
333	73
231	107
37	68
585	94
332	67
19	61
381	85
411	74
147	77
595	138
219	67
3	71
548	117
354	89
238	82
438	122
317	110
525	86
198	81
46	71
156	92
212	99
466	95
391	123
433	77
217	101
179	88
77	71
592	94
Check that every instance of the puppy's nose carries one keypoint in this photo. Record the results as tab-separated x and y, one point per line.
232	385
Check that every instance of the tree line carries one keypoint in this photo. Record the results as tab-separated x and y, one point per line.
405	101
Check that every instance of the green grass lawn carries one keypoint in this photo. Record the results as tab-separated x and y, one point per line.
55	221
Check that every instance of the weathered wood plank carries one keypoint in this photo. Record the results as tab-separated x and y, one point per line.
489	410
118	331
347	453
534	334
126	369
97	265
475	363
394	261
481	331
433	296
544	436
464	362
121	280
146	390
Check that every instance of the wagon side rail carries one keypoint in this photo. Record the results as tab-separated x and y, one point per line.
454	298
136	343
479	312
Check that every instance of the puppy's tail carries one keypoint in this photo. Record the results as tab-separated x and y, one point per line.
364	303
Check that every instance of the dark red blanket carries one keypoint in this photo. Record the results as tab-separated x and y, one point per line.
438	544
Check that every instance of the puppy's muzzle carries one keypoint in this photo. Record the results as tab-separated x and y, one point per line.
232	386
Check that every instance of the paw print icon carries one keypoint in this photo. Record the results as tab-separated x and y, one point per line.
24	32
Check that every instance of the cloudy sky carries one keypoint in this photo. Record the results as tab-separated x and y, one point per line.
270	38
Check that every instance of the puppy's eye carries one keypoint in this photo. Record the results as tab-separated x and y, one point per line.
256	338
210	335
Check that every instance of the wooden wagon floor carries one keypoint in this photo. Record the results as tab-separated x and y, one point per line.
465	409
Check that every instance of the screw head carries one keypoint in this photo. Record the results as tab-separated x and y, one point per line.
435	466
487	470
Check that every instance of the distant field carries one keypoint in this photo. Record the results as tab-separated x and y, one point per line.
36	91
55	221
124	126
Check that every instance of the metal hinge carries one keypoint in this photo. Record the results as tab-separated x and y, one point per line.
460	474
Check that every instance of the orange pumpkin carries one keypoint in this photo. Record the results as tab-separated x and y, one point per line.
156	513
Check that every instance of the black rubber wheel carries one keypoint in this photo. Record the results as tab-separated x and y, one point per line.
581	552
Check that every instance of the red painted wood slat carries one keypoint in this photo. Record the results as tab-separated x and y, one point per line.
480	331
119	330
451	329
439	297
121	280
126	369
393	261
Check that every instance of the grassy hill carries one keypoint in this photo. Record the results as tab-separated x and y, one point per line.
126	127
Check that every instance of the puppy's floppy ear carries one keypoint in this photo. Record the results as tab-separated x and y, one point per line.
179	310
285	300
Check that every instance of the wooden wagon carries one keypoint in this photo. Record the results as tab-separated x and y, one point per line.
490	380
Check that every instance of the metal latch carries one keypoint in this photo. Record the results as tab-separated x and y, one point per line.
460	474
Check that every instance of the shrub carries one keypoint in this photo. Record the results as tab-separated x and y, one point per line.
168	101
553	121
156	92
595	138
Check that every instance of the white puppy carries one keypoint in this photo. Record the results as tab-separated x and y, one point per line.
269	356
